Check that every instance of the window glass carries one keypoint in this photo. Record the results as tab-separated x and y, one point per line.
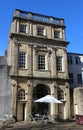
22	60
78	60
59	63
41	62
40	31
56	34
71	78
70	60
79	78
61	95
22	28
21	94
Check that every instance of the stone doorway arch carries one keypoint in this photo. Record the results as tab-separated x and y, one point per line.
39	91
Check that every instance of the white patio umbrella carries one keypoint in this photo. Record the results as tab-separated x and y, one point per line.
48	99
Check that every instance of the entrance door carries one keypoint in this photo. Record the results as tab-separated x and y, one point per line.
21	111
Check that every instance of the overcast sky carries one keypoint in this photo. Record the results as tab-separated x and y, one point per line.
70	10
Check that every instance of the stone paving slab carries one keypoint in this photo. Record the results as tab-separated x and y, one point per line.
47	126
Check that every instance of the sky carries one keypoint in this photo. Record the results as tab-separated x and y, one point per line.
70	10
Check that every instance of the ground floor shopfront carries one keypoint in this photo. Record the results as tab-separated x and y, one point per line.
24	92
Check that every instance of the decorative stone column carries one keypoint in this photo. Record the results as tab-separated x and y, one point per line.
14	97
29	101
66	63
53	107
67	105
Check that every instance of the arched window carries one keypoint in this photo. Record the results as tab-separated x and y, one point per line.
21	94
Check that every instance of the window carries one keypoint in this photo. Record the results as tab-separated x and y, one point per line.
40	31
77	60
21	95
56	34
22	28
41	62
70	61
61	95
22	59
79	78
59	64
71	78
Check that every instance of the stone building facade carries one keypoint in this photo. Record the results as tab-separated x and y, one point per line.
38	59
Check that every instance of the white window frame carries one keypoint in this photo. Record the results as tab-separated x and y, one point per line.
22	60
61	95
43	33
21	95
59	65
58	31
42	54
22	28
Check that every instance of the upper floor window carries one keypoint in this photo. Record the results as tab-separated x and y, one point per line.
22	60
79	78
21	94
41	31
22	28
59	63
70	60
41	62
77	60
56	34
71	78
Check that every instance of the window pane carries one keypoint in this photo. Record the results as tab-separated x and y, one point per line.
70	60
21	95
59	63
40	31
22	59
71	78
56	34
61	95
79	78
22	28
41	62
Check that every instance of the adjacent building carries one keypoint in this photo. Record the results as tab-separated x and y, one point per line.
75	69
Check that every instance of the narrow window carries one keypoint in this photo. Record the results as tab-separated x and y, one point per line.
79	78
41	62
61	95
56	34
40	31
22	59
70	61
22	28
59	64
21	95
71	78
78	60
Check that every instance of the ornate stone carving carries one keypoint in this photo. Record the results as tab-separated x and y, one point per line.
14	82
29	84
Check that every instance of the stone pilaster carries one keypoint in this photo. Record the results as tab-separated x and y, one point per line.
29	101
67	100
14	97
54	107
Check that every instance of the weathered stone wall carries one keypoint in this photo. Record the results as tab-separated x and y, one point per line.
5	89
78	100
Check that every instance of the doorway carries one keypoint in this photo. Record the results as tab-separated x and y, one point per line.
21	111
38	92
